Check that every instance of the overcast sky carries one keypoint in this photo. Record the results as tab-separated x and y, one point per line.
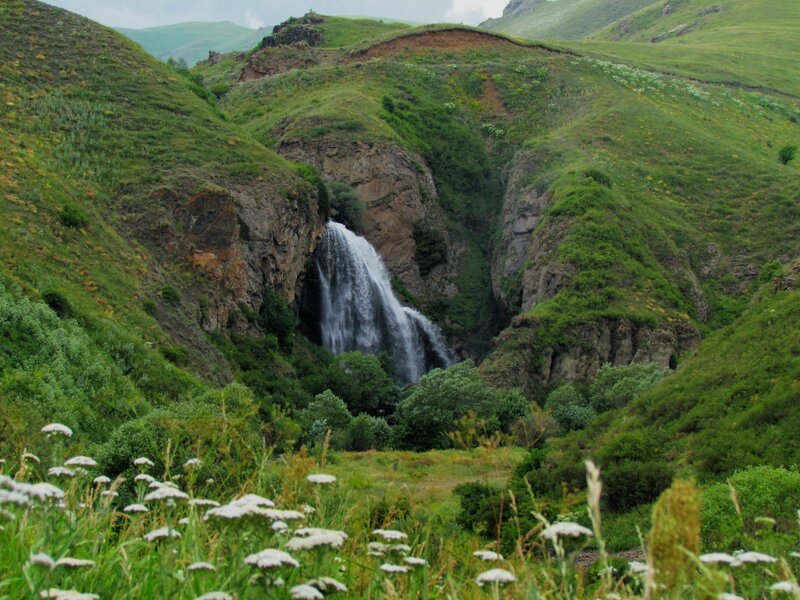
258	13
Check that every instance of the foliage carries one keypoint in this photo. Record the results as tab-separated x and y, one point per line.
428	411
787	154
616	387
277	318
366	432
570	408
430	249
480	507
360	380
346	207
72	216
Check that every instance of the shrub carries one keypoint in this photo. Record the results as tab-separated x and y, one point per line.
631	483
615	387
430	249
346	207
58	303
330	409
598	176
570	408
177	354
149	307
72	216
761	492
360	380
277	318
366	432
480	507
170	295
787	154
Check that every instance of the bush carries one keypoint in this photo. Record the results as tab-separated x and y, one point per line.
328	408
360	380
480	507
439	399
58	303
787	154
170	295
346	207
277	318
570	408
599	177
761	492
177	354
72	216
615	387
430	249
631	483
366	432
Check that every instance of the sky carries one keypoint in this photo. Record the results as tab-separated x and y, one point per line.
260	13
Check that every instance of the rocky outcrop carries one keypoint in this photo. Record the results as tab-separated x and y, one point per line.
241	240
525	270
398	191
521	360
295	31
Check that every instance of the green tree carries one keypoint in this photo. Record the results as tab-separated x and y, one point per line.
360	380
787	153
570	408
346	207
427	413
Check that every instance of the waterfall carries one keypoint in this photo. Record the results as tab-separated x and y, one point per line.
360	312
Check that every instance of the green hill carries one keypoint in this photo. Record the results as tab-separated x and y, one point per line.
561	19
193	41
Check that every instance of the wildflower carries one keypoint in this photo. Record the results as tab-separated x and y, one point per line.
144	462
390	534
60	472
30	456
727	596
324	583
215	596
74	563
487	555
305	592
415	561
184	521
309	510
329	538
166	493
57	429
309	531
271	558
717	557
233	512
785	586
135	508
44	491
109	494
201	566
278	582
192	462
56	594
145	477
557	530
377	547
14	497
638	568
42	559
101	480
279	526
321	478
283	515
390	568
161	533
753	558
256	500
496	576
401	548
203	502
81	461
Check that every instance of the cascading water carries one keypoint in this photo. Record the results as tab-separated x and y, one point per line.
360	312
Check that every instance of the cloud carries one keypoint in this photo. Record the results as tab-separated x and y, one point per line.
474	11
252	20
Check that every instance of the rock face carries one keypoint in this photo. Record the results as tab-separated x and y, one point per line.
240	242
398	191
295	31
521	361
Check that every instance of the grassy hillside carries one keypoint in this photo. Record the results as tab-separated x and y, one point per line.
749	42
562	19
193	41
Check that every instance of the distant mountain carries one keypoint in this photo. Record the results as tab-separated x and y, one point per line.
561	19
192	41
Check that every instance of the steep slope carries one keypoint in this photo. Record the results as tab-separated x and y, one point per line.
133	207
561	19
193	41
637	209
